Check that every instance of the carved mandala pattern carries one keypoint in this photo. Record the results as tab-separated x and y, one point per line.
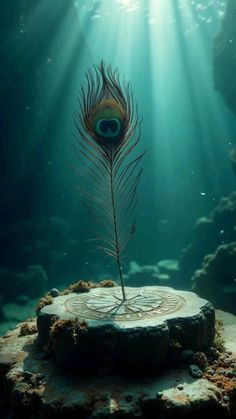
139	305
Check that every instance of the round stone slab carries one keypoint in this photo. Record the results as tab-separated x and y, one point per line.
140	304
139	333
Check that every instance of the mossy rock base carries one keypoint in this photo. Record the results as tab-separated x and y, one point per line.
96	329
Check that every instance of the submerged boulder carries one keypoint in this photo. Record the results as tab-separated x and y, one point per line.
33	281
216	279
169	267
209	233
165	272
48	242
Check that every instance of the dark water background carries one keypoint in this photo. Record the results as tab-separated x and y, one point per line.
165	49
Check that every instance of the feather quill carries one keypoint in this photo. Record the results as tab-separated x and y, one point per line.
109	131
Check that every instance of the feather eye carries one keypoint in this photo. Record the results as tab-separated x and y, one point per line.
107	121
109	131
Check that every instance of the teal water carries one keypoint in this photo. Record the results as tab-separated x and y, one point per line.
165	49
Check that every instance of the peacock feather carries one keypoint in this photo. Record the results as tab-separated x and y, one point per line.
109	131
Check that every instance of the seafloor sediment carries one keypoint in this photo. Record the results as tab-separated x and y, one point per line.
33	386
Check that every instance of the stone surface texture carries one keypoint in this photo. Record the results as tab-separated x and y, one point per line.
137	334
33	386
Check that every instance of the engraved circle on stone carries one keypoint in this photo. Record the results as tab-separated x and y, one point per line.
139	305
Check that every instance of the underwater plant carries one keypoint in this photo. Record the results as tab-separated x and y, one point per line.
109	129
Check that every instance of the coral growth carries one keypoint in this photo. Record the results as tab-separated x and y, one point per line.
219	343
28	328
80	286
44	301
107	283
85	286
222	373
70	327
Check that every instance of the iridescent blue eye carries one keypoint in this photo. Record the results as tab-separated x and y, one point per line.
108	128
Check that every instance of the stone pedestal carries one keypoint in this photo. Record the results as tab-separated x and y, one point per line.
137	335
